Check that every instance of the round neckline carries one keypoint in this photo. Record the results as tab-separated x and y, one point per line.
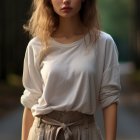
74	43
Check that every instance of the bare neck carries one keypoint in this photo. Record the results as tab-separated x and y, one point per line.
70	26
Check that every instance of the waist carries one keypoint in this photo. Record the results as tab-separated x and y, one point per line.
63	122
66	117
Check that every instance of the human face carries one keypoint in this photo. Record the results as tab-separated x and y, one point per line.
66	8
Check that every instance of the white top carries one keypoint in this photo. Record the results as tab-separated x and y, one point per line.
73	77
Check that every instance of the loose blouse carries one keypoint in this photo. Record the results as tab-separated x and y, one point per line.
78	76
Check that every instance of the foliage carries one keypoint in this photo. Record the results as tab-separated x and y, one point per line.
116	17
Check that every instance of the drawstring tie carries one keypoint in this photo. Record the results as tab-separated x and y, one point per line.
63	126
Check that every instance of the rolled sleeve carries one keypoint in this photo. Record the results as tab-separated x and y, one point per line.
110	89
31	79
28	99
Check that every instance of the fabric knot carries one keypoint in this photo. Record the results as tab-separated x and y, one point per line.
64	126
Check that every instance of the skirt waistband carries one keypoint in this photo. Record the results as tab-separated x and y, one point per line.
64	120
66	117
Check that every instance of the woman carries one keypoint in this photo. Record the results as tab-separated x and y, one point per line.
70	69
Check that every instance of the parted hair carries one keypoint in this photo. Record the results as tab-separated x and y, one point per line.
44	21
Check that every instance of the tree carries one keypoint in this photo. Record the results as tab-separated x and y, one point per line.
116	19
13	41
136	38
2	38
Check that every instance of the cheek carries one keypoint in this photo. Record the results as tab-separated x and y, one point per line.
78	3
56	2
59	1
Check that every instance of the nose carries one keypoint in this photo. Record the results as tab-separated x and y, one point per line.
66	2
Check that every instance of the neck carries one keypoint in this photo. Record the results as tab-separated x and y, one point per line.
70	26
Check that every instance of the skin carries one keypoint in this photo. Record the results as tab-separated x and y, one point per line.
59	4
71	29
27	122
110	121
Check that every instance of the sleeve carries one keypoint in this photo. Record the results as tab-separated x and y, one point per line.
110	85
32	81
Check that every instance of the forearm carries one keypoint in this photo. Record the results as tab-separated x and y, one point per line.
27	122
110	121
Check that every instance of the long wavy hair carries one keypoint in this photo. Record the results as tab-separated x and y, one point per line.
44	21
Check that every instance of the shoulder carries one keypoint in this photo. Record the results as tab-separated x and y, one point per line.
34	46
105	37
106	40
35	43
33	49
106	43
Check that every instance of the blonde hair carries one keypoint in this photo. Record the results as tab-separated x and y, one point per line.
44	21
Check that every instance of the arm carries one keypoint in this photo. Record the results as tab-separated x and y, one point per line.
27	122
110	121
32	83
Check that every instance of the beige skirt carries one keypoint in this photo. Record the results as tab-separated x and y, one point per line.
59	125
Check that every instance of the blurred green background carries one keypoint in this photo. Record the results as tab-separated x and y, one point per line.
119	18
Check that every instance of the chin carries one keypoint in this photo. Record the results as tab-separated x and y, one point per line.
67	15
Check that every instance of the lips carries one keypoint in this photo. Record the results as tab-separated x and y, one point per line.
67	8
